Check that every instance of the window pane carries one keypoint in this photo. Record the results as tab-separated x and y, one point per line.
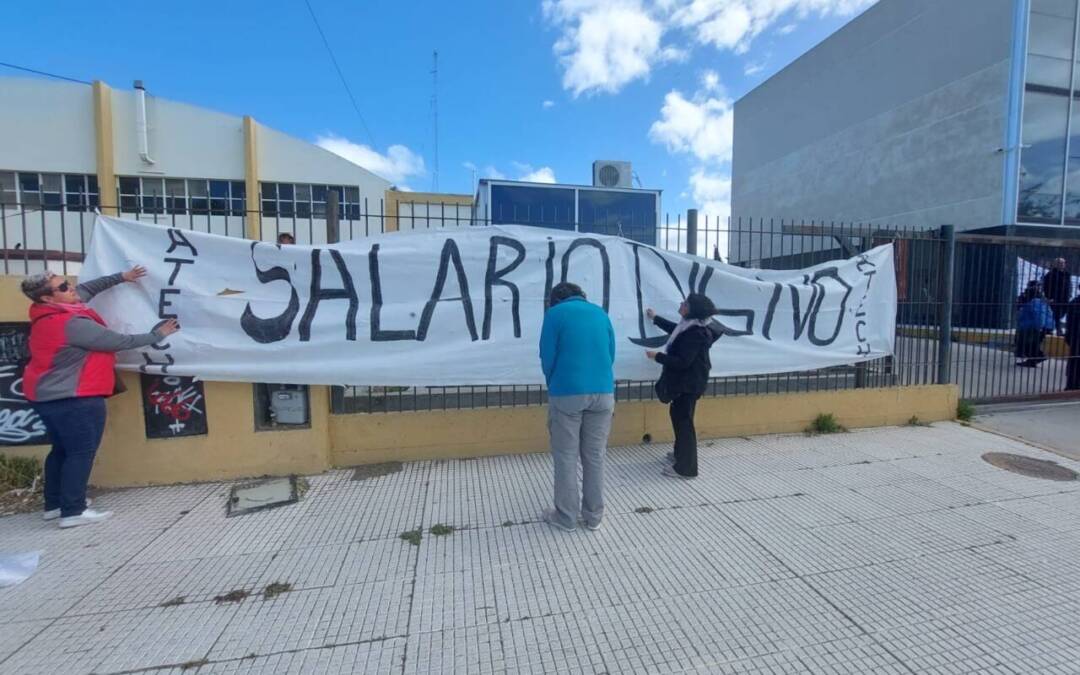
514	204
91	184
74	201
176	204
174	187
129	186
28	182
268	190
285	191
200	205
152	186
318	193
74	184
303	193
1062	8
50	182
238	188
352	195
269	207
303	210
196	188
286	209
624	214
1050	50
219	188
7	181
1042	163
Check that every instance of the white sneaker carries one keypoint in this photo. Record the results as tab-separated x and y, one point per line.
55	513
87	517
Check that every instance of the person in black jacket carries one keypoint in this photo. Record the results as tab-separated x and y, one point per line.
685	376
1057	287
1072	338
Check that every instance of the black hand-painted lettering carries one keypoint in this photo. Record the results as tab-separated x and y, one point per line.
494	277
642	340
176	270
549	279
169	360
747	315
318	294
277	328
377	333
834	274
449	256
163	303
858	331
177	238
770	314
800	320
604	262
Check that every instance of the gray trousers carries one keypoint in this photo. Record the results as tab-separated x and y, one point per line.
579	427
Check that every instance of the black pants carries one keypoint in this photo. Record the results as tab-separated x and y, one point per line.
682	421
1072	369
1029	345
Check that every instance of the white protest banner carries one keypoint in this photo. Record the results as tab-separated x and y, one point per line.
463	306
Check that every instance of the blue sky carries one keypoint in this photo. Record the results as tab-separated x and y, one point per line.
527	89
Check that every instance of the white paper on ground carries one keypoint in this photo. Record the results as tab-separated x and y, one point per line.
16	568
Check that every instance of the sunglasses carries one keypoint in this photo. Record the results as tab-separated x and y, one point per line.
64	287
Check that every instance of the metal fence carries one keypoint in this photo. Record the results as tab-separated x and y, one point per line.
957	295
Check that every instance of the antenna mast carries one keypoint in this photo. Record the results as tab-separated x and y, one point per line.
435	116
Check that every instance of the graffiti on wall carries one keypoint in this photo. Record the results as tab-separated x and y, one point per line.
173	406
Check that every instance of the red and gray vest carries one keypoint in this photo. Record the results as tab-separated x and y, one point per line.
72	353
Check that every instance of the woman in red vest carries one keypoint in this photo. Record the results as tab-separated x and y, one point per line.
71	371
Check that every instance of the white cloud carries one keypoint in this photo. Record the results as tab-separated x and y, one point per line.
711	192
787	29
751	69
527	173
398	164
548	104
604	45
488	171
702	126
733	24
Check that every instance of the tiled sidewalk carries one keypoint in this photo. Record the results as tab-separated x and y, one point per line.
892	551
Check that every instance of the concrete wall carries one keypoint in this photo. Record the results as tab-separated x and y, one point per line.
46	126
896	118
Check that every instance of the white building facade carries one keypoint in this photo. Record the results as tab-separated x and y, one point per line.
67	149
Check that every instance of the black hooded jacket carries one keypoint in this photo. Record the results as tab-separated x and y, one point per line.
686	362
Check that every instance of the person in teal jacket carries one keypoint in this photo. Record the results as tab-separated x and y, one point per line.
577	355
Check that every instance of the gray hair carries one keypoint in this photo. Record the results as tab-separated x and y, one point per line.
37	286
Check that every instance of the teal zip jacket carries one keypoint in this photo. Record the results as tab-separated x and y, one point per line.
577	349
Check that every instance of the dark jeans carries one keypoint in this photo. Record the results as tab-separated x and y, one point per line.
1029	345
75	426
1072	371
682	421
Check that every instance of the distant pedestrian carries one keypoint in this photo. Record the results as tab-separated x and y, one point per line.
577	354
1034	321
685	376
286	239
71	372
1072	338
1057	288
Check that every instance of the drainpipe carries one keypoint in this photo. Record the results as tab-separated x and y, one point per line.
144	136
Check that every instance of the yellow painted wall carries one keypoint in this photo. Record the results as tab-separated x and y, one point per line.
231	449
444	434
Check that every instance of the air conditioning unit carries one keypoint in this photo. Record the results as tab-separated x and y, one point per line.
611	174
